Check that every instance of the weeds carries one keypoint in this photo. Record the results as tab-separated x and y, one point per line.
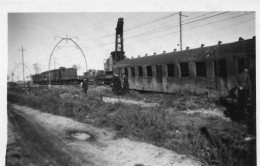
146	125
217	142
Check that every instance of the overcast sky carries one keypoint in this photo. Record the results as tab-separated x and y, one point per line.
144	33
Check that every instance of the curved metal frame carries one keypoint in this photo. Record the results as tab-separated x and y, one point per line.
82	53
56	47
24	65
51	56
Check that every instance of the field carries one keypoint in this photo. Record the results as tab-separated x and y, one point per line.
190	124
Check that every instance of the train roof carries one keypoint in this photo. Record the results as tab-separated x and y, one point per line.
70	68
215	51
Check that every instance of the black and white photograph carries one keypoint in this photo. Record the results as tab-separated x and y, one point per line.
139	88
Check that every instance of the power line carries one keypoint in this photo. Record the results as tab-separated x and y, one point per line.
111	43
205	18
186	22
139	26
157	30
149	32
195	27
219	20
180	30
155	20
165	28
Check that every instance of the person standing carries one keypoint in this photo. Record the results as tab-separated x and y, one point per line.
49	86
85	86
28	87
243	83
125	84
116	85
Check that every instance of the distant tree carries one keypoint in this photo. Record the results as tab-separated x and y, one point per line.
76	66
37	68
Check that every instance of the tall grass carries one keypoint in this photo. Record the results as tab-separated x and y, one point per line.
217	143
147	125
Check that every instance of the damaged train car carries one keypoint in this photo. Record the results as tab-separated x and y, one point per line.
199	70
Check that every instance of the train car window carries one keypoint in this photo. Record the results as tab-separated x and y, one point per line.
140	71
220	68
132	71
158	70
149	71
201	69
126	71
170	69
184	69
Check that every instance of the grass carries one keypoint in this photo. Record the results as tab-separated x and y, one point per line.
214	142
146	125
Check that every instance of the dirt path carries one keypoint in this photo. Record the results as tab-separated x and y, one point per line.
56	140
31	144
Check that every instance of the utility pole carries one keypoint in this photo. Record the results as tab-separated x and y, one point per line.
12	77
181	30
23	63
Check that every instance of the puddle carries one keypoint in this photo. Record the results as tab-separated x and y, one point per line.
81	135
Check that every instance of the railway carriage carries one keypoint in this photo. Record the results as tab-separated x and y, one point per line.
199	70
58	77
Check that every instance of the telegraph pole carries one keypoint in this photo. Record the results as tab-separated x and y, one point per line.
181	30
23	63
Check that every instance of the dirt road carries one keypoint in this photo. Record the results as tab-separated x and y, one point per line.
30	144
37	138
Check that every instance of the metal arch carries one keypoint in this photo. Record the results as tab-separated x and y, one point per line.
57	45
24	65
81	52
51	56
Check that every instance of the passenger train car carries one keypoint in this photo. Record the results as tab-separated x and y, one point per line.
199	70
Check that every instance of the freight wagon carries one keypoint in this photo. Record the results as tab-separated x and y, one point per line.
199	70
61	76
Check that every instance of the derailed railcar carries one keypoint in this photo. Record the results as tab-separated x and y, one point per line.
104	78
199	70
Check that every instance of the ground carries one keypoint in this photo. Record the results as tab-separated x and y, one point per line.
51	140
64	126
